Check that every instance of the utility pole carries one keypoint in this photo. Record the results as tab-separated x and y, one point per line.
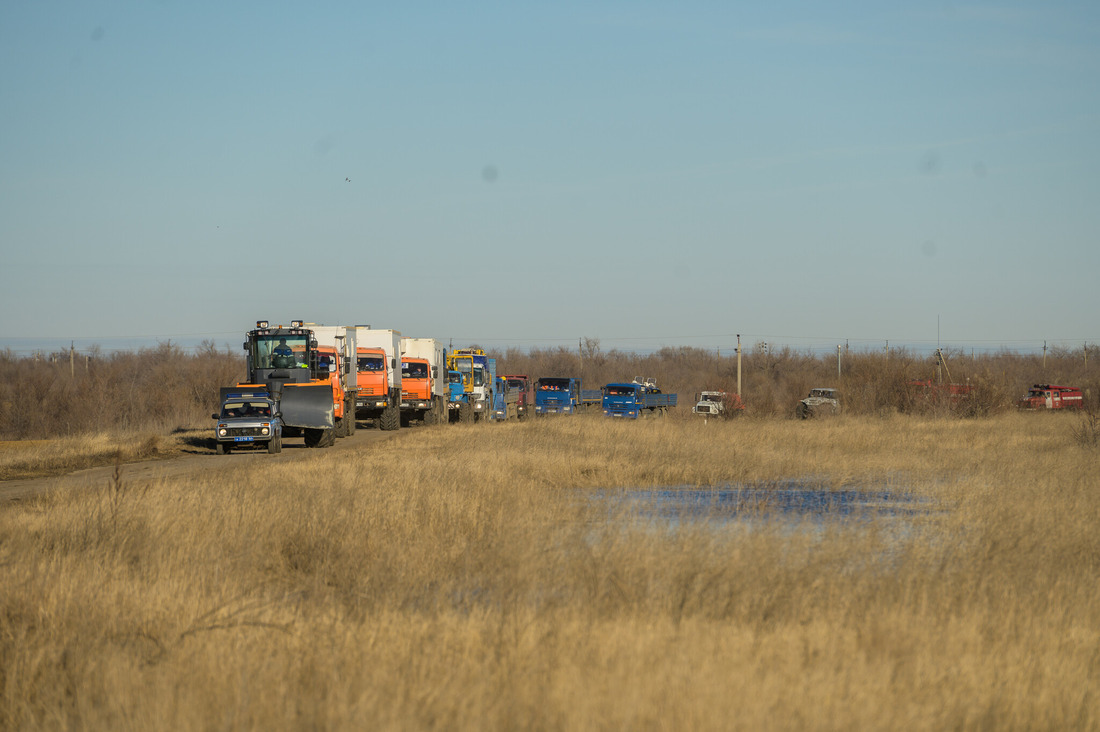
72	367
739	365
838	363
1044	358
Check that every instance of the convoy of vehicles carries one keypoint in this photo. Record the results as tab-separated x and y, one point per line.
639	398
313	381
285	361
1050	396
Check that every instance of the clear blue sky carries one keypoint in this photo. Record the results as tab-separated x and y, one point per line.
645	173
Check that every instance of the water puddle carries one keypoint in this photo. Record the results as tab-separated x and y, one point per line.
786	503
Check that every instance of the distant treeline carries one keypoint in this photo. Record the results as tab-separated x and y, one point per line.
165	388
162	388
773	381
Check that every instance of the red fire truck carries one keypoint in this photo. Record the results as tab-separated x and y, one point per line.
1049	396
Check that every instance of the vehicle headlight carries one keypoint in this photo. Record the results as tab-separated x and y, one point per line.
265	430
223	432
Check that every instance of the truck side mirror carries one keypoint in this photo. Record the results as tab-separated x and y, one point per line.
213	416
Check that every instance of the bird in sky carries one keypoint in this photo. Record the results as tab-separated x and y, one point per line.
348	180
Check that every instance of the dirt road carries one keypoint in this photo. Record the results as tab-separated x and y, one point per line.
199	458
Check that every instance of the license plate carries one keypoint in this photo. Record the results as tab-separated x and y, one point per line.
243	439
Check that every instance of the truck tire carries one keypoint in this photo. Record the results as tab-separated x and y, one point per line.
312	437
328	438
390	419
341	429
221	449
273	446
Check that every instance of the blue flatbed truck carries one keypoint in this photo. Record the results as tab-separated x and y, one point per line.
635	399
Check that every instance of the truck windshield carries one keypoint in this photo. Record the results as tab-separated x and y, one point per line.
414	371
246	409
279	352
466	367
454	377
370	363
620	390
546	384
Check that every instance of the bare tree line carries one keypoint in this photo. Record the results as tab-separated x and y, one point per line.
165	388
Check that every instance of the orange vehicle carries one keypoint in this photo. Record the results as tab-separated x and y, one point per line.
423	381
378	376
333	368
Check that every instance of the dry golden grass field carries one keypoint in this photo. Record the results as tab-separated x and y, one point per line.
485	577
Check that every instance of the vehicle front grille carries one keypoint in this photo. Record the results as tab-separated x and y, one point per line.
244	432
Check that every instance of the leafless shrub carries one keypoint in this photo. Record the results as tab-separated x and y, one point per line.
156	388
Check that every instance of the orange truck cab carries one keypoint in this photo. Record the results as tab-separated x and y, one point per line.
378	376
423	381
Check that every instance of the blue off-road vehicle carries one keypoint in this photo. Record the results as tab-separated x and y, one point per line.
248	419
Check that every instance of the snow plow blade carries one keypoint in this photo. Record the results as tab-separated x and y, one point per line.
308	406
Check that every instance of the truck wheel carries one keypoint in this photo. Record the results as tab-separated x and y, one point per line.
273	446
221	449
341	427
312	437
391	418
328	438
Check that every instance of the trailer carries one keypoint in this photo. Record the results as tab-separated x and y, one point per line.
1051	396
591	399
423	381
639	398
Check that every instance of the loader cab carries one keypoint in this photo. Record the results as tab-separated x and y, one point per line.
283	354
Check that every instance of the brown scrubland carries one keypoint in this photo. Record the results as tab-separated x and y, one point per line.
492	577
165	387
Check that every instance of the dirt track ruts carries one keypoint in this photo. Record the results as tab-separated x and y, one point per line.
196	460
